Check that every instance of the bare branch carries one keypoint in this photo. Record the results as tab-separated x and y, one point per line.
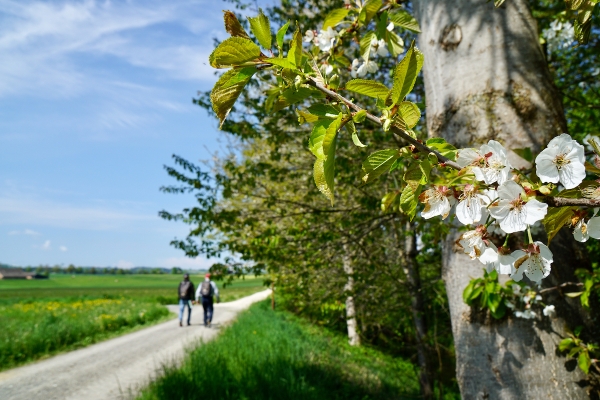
564	202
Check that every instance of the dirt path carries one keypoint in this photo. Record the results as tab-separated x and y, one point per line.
116	368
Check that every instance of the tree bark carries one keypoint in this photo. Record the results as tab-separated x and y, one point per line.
411	269
353	337
486	78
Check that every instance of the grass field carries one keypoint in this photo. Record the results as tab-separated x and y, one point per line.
43	317
275	355
161	288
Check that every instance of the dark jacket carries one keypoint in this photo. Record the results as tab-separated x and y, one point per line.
185	294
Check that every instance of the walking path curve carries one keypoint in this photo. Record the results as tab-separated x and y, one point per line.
116	368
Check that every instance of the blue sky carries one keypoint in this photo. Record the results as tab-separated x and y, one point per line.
95	96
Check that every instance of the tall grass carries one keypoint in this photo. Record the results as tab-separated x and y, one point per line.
275	355
37	328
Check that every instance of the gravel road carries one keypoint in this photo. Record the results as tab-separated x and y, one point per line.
116	368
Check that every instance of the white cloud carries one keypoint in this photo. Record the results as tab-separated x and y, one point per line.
188	263
55	48
125	264
46	245
63	248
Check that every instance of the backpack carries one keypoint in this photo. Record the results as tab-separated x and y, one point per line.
206	289
184	288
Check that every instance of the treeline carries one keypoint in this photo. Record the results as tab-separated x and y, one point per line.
74	270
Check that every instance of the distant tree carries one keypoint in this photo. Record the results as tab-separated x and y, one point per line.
57	269
79	270
176	271
71	269
93	271
121	271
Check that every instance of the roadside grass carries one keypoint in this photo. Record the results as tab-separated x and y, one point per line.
39	318
38	328
275	355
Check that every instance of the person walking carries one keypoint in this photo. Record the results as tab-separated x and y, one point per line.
186	295
206	291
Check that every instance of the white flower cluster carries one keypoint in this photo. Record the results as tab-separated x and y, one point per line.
324	40
495	198
559	35
526	297
379	48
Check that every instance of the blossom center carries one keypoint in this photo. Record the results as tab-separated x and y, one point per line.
517	204
561	161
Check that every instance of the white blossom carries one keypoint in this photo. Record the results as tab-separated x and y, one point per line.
563	160
580	233
390	27
527	314
512	212
436	202
559	36
549	311
535	262
326	39
361	70
499	259
310	36
489	163
593	227
379	47
475	242
471	205
588	139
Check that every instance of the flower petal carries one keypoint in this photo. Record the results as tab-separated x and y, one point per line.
593	227
535	211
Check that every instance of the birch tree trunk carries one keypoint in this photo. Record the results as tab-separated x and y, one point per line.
486	78
353	337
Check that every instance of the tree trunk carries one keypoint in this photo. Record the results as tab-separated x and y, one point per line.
486	78
353	337
411	269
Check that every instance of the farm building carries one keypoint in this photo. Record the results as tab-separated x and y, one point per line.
18	273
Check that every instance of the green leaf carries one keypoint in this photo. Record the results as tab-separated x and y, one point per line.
368	88
360	116
418	173
468	290
324	110
388	200
556	218
395	44
352	129
261	28
369	10
409	200
574	294
524	153
320	180
405	73
281	62
377	164
324	170
584	361
442	147
592	168
330	136
498	3
410	113
315	143
304	116
565	344
227	89
281	34
404	20
233	26
234	51
295	53
334	17
365	44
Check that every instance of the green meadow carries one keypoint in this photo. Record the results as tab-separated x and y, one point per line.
273	355
44	317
